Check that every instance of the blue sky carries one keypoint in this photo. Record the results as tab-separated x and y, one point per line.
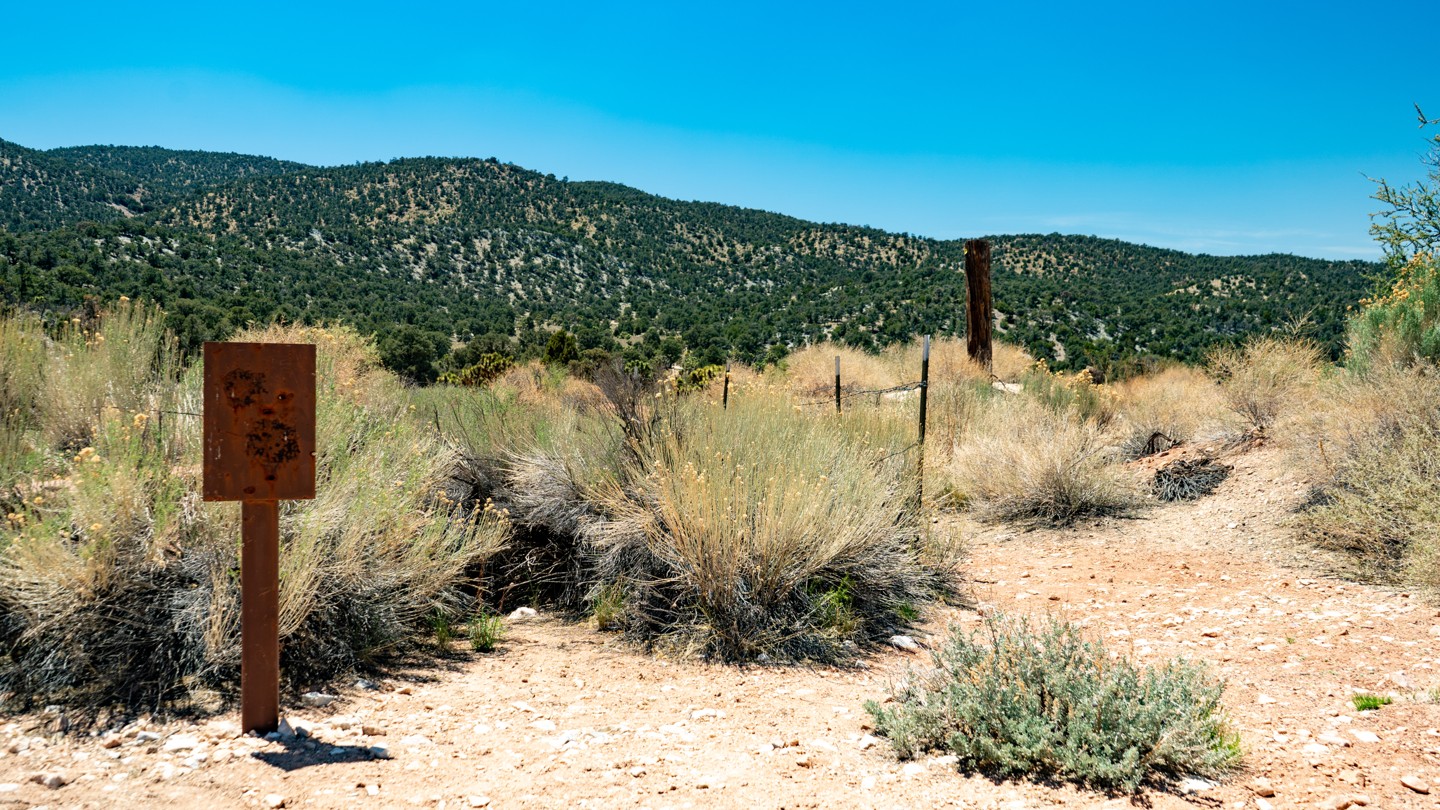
1221	128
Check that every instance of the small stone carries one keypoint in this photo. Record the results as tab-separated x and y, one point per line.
1365	736
416	741
111	741
1315	748
405	690
1261	804
701	714
913	769
273	800
867	742
1265	700
53	780
805	762
147	736
372	731
523	614
316	700
637	771
181	742
380	751
8	787
1336	803
1262	787
1415	783
1334	739
1192	786
478	801
1211	633
365	684
543	725
905	643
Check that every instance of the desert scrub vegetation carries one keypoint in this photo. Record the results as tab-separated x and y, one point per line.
1266	377
758	531
1023	698
1401	324
1173	406
119	587
1373	449
1024	461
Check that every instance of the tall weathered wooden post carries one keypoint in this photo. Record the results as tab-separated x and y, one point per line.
979	312
259	446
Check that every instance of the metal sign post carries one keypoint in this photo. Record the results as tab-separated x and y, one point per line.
259	450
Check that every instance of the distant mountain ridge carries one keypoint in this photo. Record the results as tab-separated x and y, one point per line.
467	248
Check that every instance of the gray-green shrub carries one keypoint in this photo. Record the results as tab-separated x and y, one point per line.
1018	698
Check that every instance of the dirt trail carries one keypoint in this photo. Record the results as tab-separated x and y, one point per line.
564	716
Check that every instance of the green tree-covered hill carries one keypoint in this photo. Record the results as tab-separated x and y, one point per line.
468	249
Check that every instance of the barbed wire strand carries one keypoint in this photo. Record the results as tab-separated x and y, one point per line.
849	395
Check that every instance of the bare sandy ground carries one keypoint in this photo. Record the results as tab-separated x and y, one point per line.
564	716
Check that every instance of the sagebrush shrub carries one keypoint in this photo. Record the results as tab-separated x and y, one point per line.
1017	698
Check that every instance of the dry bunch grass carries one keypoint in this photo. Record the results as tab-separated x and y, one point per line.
723	542
118	586
1025	462
1267	377
1181	404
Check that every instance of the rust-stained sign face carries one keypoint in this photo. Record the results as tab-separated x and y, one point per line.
259	421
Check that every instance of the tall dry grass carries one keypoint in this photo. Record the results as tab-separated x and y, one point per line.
119	586
759	531
1176	405
1023	461
1266	377
1371	443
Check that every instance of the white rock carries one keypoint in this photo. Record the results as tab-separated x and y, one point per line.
1265	700
316	700
147	736
1415	783
1261	804
181	742
867	783
904	643
364	684
1365	736
913	769
53	779
416	741
1334	739
380	751
1315	748
701	714
273	800
478	801
8	787
543	725
1192	786
637	771
867	742
523	614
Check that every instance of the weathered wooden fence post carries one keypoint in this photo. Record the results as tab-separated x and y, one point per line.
259	445
979	312
837	383
725	394
924	405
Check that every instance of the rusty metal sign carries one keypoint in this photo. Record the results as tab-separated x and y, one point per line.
259	449
259	421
